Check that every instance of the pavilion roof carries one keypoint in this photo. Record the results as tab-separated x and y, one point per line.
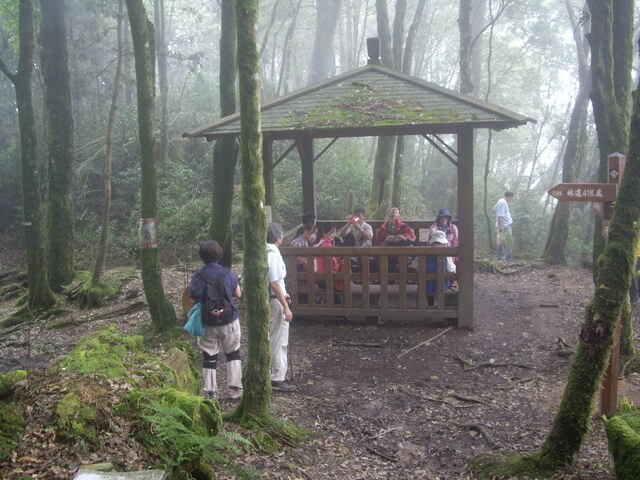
369	101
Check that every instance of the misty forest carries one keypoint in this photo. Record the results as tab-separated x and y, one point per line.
134	130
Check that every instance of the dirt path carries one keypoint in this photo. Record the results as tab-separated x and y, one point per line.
373	415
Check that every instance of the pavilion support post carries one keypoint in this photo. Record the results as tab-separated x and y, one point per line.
465	218
267	173
305	150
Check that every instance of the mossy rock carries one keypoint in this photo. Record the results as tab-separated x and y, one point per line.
8	380
11	426
623	433
105	353
77	416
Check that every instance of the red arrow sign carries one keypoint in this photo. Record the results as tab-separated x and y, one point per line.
585	192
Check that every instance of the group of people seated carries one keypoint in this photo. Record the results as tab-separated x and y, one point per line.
357	232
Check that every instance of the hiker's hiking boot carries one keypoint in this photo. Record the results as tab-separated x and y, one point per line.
210	394
234	393
283	386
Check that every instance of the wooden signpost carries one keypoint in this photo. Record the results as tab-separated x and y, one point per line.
604	196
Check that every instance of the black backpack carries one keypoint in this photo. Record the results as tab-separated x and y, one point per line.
216	308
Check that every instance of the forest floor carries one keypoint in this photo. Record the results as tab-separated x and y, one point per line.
374	415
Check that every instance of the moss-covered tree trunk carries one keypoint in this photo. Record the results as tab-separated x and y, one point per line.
611	41
225	151
554	251
257	388
40	295
162	312
108	154
57	97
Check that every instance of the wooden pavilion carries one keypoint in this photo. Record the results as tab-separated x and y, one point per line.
377	101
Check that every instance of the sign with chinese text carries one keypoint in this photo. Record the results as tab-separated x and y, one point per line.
585	192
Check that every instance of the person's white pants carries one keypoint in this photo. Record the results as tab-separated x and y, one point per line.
227	339
279	340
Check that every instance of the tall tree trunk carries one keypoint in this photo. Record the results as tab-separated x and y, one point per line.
398	44
257	391
57	96
323	62
554	250
162	313
477	27
407	57
163	83
611	58
40	295
466	40
108	154
382	183
384	33
225	151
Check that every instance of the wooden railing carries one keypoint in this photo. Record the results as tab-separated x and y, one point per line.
373	281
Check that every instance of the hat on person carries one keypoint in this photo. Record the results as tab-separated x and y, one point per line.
443	212
438	236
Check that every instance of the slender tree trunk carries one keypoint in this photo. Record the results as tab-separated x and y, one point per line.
282	81
257	391
40	295
162	313
407	58
398	44
554	251
466	37
108	154
322	57
225	151
57	96
163	83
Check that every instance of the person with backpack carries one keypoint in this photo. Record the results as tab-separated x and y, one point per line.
214	287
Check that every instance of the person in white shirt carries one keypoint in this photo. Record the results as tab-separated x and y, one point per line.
361	231
504	239
280	313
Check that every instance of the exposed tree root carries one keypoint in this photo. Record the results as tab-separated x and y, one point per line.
481	430
632	365
380	454
497	364
445	399
360	344
134	307
426	342
464	398
521	381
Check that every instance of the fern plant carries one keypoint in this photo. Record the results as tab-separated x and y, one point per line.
177	441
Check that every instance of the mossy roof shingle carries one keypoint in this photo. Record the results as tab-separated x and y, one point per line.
369	101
